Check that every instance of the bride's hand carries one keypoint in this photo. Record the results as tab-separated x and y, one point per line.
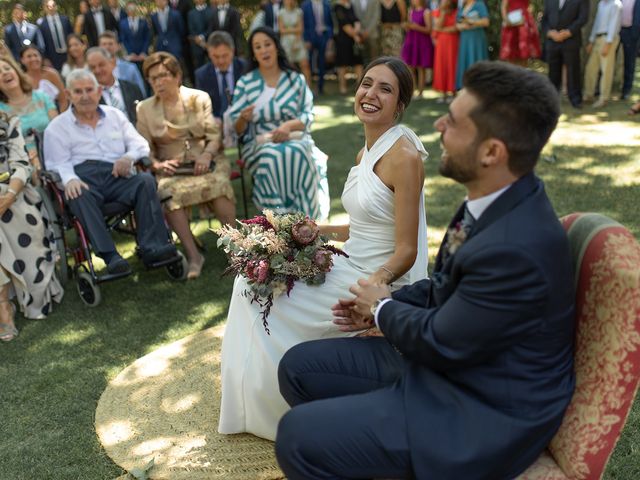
347	319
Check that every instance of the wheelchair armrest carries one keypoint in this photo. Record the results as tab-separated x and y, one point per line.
144	163
53	177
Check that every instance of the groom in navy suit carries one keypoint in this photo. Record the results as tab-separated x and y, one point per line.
475	369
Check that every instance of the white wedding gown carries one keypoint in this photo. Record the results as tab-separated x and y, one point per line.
251	400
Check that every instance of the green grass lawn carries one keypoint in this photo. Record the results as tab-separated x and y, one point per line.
53	374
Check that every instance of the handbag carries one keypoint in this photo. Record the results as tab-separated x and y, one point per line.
515	18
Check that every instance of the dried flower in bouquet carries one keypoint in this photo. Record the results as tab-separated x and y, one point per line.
273	251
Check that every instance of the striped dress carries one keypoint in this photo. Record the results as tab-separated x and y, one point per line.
289	176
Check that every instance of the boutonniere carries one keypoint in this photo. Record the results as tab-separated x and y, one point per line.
456	236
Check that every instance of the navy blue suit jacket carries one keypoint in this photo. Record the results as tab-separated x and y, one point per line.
171	40
56	59
572	16
488	343
309	21
14	40
207	81
90	29
137	42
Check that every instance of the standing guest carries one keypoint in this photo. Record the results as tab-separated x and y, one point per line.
44	79
226	17
272	11
96	21
185	152
271	103
348	43
475	369
27	262
168	29
197	24
219	77
183	7
83	10
290	29
34	109
76	49
446	38
92	147
368	14
116	10
562	22
634	109
393	14
20	33
116	92
472	21
318	29
135	35
54	29
417	51
124	70
602	46
630	41
519	39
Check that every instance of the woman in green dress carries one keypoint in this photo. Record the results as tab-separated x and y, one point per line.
472	22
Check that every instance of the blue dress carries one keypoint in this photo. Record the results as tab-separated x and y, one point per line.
289	176
34	115
473	43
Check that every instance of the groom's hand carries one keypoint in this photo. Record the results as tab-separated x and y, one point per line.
347	319
366	294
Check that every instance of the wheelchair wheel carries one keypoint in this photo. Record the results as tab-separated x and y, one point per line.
178	270
62	267
89	291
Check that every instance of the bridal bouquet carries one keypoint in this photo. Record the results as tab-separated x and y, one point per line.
273	251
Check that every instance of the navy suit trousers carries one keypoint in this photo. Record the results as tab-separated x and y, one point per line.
629	40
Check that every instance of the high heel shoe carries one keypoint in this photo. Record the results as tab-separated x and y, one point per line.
8	330
195	268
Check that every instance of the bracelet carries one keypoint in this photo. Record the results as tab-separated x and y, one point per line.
393	275
11	190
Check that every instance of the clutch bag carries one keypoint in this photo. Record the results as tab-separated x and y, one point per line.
515	17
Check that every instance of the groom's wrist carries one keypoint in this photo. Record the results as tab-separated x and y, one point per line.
378	306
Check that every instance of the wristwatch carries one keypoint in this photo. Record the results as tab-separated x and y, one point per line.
375	305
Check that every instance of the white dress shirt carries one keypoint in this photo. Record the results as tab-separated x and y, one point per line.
68	143
607	21
99	19
57	33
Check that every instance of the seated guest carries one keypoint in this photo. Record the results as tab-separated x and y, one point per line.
116	92
124	70
273	110
54	29
93	148
76	48
475	369
219	77
27	263
135	35
185	151
33	108
44	79
20	33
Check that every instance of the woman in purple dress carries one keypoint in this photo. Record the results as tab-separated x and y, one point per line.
417	51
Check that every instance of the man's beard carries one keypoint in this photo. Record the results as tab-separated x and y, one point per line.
463	168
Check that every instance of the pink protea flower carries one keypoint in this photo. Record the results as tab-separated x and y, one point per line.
262	270
250	271
259	220
323	259
305	231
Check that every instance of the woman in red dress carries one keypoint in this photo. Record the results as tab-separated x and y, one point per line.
519	40
445	58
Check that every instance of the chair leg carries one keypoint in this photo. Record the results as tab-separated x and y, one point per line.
244	194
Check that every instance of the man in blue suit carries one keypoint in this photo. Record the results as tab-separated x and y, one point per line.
475	369
135	35
219	77
21	33
168	28
630	41
54	29
318	29
197	24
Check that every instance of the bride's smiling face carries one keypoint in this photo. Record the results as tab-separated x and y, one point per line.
376	100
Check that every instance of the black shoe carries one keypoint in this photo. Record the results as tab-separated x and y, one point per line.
577	105
118	265
165	252
625	96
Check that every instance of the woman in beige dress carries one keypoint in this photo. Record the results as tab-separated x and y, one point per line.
185	152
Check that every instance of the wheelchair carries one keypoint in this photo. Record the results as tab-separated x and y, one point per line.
72	244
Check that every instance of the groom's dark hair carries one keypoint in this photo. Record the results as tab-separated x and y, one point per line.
515	105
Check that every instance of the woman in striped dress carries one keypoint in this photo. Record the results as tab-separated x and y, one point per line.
272	112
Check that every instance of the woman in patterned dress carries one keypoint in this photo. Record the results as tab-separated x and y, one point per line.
290	24
393	14
272	112
519	38
185	152
27	263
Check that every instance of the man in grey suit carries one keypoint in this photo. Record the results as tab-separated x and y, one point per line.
368	12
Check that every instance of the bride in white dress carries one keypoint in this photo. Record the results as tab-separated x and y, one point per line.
386	241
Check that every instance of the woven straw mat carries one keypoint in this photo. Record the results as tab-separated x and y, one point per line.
165	406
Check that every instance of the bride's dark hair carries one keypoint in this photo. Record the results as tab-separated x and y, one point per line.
402	73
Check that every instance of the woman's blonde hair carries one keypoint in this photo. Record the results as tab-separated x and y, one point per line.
25	83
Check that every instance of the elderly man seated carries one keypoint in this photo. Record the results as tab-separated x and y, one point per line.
93	148
116	92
